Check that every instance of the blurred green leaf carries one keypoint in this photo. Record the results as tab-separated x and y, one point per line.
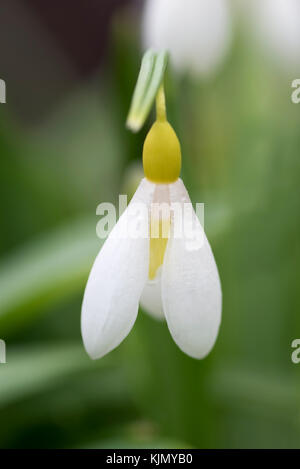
268	393
32	369
46	271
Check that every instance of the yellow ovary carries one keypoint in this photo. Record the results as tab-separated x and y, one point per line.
161	152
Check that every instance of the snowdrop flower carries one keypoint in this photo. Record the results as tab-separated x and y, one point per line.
174	277
196	32
277	25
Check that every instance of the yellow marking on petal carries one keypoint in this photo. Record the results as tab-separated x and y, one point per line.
161	152
159	235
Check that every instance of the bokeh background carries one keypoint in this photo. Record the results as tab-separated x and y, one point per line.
70	69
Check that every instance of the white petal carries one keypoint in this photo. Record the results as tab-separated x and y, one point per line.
191	289
116	281
196	32
151	300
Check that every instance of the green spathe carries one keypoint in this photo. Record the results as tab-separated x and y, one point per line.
149	80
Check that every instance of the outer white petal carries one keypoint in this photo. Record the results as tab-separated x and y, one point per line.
116	281
151	300
277	24
196	32
191	289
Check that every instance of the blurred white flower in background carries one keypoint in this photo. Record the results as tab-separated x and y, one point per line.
277	25
196	32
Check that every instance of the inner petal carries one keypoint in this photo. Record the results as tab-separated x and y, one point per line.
160	221
158	246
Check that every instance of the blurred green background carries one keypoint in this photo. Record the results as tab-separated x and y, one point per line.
64	149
